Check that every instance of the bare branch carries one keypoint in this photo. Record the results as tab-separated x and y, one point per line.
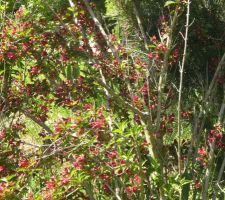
181	85
41	124
140	24
163	73
99	25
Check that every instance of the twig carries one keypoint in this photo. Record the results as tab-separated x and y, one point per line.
140	24
163	73
181	85
99	25
41	124
221	170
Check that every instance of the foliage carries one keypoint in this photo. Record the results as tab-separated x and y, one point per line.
88	103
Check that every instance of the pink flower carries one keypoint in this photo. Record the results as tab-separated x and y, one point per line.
161	47
171	118
197	184
199	159
2	135
211	139
112	154
24	163
87	106
219	135
51	184
134	99
202	151
65	180
2	168
131	189
34	70
25	46
79	162
98	123
58	128
150	55
136	180
11	55
3	185
106	188
65	171
176	53
144	88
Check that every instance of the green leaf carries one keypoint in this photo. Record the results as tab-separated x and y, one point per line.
168	3
69	72
62	77
72	9
152	46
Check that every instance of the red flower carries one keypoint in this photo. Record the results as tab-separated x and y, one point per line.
161	47
197	184
2	186
171	118
112	163
131	189
136	180
134	99
65	171
34	71
87	106
105	177
51	184
144	88
202	151
176	53
211	139
79	162
65	180
24	163
106	189
2	168
98	123
25	46
150	55
58	128
2	135
11	55
219	135
112	154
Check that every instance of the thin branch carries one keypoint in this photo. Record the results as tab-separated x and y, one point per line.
221	171
181	85
140	24
41	124
99	25
163	73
